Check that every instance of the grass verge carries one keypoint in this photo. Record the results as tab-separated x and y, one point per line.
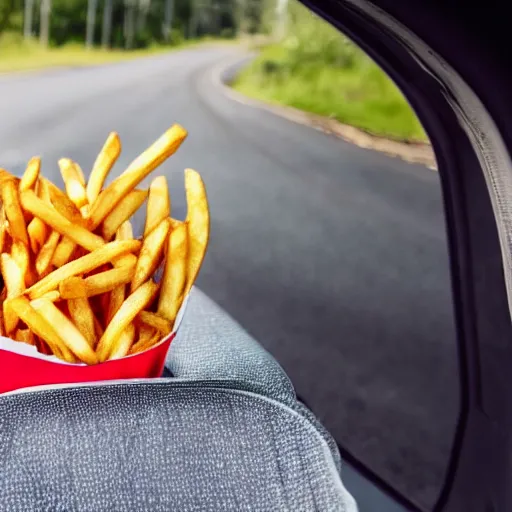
19	55
360	95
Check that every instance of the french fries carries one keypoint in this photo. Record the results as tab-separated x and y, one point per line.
131	307
156	154
159	204
13	211
31	174
72	292
150	253
122	212
105	160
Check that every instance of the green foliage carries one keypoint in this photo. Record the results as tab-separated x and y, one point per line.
68	21
319	70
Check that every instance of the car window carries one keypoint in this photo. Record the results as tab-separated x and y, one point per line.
328	241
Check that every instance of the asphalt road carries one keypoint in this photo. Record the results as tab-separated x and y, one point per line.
332	256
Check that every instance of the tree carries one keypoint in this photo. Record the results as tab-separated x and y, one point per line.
107	24
27	19
44	26
167	25
91	22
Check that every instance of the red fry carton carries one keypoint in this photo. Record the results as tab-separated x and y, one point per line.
22	366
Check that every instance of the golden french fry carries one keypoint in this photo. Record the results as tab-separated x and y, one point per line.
74	187
159	323
125	231
117	296
31	174
83	265
39	326
25	336
143	345
37	233
83	317
122	212
150	254
104	162
52	296
15	284
73	288
80	174
13	211
123	343
198	222
20	254
63	252
58	222
131	307
104	282
174	278
44	258
67	331
61	202
156	154
159	204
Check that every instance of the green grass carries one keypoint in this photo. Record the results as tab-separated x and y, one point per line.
356	92
19	55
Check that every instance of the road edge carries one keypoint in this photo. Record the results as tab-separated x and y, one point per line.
416	153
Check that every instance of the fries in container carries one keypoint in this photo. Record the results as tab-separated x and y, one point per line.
81	297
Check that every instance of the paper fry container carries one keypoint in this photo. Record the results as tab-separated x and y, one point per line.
22	366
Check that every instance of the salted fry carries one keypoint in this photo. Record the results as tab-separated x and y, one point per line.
58	222
122	212
150	254
104	282
141	167
159	204
198	222
175	274
131	307
42	328
67	331
75	189
83	317
61	202
124	342
83	265
13	211
44	258
20	254
31	174
104	162
117	296
15	284
63	252
37	232
157	322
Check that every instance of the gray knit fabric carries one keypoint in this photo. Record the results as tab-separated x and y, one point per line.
223	436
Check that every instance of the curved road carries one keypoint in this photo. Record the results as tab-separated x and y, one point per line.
332	256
